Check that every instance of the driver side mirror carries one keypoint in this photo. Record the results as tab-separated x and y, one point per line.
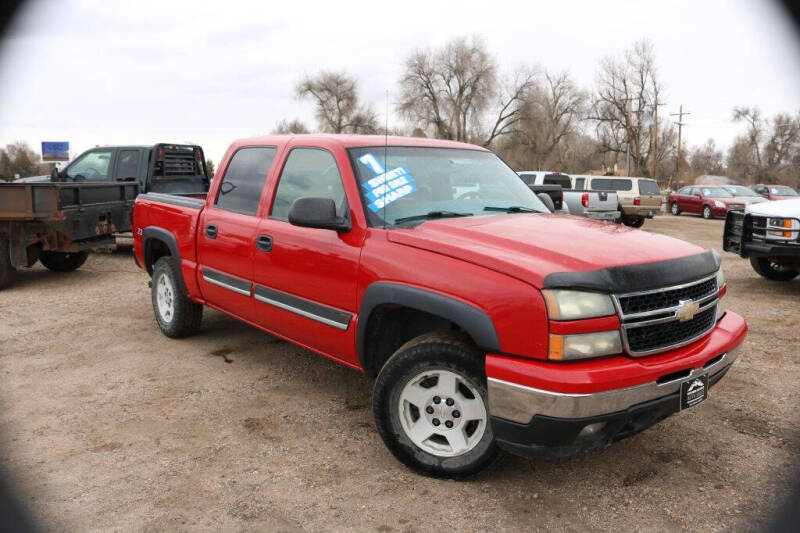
55	175
320	213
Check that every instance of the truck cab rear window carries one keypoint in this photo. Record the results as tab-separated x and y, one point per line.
558	179
240	190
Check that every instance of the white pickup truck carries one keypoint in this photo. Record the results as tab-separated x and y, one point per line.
769	234
598	205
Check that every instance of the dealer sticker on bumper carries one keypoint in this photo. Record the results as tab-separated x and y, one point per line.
694	391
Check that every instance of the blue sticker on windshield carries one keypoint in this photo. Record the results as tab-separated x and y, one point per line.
388	187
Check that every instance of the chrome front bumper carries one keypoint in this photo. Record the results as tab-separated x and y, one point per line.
519	403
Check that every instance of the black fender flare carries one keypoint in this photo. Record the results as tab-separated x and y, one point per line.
475	322
157	233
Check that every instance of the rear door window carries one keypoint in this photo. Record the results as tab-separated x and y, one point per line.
240	190
612	184
128	164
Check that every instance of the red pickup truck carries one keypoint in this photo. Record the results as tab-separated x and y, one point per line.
489	323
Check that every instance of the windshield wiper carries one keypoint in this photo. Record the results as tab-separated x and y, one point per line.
511	209
432	214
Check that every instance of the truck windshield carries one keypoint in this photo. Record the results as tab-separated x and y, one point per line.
783	191
410	183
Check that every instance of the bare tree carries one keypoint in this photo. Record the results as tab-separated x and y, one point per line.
707	159
290	126
755	128
449	93
769	150
20	159
337	105
627	89
550	121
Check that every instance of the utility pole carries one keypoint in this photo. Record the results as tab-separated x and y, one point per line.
679	114
655	137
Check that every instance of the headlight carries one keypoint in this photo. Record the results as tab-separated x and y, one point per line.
717	203
575	305
720	278
783	228
584	345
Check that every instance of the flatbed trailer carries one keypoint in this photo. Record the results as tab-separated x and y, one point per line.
58	223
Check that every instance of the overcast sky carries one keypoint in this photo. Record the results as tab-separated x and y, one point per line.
99	72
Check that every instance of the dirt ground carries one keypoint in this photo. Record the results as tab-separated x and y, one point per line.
106	424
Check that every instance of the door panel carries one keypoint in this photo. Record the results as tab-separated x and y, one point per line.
225	244
305	278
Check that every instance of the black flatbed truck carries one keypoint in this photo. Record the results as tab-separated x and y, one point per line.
58	219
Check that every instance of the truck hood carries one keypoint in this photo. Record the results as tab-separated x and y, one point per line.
531	246
786	209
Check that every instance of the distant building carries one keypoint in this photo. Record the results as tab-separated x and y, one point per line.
708	179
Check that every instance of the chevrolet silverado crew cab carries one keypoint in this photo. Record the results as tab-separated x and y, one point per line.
489	323
769	234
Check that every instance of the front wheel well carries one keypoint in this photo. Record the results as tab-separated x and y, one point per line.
390	326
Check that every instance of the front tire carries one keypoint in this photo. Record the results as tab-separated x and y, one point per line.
176	315
7	270
675	210
707	214
431	407
771	270
63	261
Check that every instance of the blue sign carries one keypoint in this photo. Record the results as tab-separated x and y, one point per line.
55	151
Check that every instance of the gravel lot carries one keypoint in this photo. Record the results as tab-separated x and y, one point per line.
105	424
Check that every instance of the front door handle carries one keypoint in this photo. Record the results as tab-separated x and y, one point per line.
264	243
211	231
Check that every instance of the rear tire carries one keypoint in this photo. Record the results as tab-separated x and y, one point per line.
176	315
675	210
707	214
633	222
451	437
63	261
7	270
768	269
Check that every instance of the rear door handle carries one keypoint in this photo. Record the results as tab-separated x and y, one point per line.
264	243
211	232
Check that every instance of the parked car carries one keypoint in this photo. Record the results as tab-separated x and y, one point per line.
639	198
746	193
489	323
775	192
594	205
768	234
706	200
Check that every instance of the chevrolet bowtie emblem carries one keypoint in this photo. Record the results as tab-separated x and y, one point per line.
686	310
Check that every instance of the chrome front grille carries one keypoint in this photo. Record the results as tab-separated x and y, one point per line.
658	320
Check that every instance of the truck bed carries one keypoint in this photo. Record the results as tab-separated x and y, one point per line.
32	201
